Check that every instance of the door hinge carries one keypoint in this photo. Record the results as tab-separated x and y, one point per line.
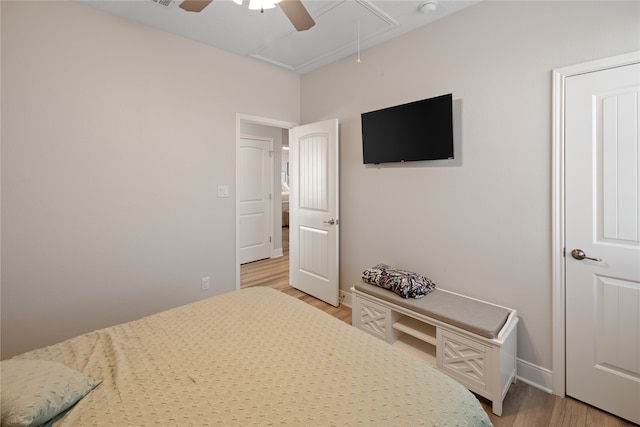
270	196
269	239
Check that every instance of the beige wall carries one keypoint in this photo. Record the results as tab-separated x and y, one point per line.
114	139
481	228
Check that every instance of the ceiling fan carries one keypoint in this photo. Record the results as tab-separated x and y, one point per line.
294	9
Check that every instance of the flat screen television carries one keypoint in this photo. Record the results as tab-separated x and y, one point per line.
419	130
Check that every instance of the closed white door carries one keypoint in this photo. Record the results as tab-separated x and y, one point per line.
602	228
254	198
313	206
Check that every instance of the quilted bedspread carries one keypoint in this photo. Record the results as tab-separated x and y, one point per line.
254	357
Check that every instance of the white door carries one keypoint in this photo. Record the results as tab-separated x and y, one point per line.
603	222
313	207
254	195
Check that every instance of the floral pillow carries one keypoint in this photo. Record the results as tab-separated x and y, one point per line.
404	283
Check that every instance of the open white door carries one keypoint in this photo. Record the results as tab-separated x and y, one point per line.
254	194
313	205
603	239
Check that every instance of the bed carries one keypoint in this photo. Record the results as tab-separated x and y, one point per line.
250	357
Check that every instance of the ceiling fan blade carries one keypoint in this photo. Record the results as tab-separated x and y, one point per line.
297	14
194	5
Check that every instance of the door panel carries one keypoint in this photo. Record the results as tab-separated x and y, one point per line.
619	122
603	220
313	242
254	162
313	205
617	308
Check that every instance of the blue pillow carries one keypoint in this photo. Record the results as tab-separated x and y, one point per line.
33	392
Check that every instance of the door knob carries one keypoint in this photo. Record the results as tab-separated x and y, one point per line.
580	255
331	221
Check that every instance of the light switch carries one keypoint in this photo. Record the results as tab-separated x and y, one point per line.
223	191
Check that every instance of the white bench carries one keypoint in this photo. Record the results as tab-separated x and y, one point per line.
470	340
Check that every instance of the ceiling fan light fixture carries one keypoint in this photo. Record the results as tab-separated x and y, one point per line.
294	9
262	4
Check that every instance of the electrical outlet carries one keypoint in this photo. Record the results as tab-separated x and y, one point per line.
204	283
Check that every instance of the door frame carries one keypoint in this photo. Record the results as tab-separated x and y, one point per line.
265	121
558	284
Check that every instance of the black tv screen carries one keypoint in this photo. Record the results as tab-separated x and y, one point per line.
420	130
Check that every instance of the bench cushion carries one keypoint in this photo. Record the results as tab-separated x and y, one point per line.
481	318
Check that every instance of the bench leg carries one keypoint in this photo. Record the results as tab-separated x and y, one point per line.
496	407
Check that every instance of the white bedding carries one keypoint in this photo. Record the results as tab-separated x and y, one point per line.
254	357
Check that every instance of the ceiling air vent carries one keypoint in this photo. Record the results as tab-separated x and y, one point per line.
163	2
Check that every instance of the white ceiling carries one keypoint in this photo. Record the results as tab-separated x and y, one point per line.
343	27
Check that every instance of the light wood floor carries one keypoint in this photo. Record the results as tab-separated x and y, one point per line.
524	405
274	273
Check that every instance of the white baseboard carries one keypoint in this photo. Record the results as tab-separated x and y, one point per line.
536	376
345	298
277	253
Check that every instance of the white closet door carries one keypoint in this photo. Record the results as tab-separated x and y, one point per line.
603	223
